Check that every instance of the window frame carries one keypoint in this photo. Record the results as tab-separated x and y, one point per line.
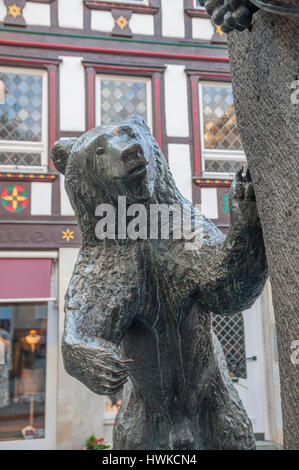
124	78
214	154
27	146
156	75
128	2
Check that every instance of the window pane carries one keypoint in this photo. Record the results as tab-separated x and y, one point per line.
219	119
223	166
21	111
23	339
121	99
230	333
20	159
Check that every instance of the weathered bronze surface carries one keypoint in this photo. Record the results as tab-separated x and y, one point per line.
150	301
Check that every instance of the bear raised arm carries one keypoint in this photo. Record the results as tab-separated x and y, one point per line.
138	309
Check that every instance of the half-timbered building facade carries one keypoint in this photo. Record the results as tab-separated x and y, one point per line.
66	66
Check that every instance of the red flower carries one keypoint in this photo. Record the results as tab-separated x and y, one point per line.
97	441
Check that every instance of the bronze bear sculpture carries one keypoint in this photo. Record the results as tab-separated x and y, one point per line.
138	312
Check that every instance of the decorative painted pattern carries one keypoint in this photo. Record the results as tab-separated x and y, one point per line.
14	198
14	14
14	10
226	203
212	182
67	235
27	176
121	22
35	236
218	36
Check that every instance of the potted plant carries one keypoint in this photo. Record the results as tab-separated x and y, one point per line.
96	444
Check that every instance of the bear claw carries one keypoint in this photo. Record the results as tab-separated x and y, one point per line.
243	187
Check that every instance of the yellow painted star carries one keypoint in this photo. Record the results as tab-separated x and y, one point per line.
14	10
219	30
67	235
121	22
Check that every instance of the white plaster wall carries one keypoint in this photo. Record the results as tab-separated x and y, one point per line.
173	24
72	94
209	203
80	412
102	21
3	10
142	24
179	164
41	198
70	14
65	205
37	14
176	101
202	28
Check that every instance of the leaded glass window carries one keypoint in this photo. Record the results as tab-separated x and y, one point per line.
20	159
230	333
222	149
222	166
219	119
23	111
118	98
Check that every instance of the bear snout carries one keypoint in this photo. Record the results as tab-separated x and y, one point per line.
132	153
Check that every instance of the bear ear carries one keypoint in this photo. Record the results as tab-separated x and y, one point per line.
60	153
139	121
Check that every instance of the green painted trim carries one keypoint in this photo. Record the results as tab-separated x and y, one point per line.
118	39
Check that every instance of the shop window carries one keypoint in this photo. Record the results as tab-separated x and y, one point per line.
23	119
221	145
23	338
118	98
28	336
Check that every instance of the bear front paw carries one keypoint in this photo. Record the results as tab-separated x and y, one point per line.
243	208
243	189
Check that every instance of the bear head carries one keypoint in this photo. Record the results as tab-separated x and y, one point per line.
117	159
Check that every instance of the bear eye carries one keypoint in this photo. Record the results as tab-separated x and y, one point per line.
100	151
